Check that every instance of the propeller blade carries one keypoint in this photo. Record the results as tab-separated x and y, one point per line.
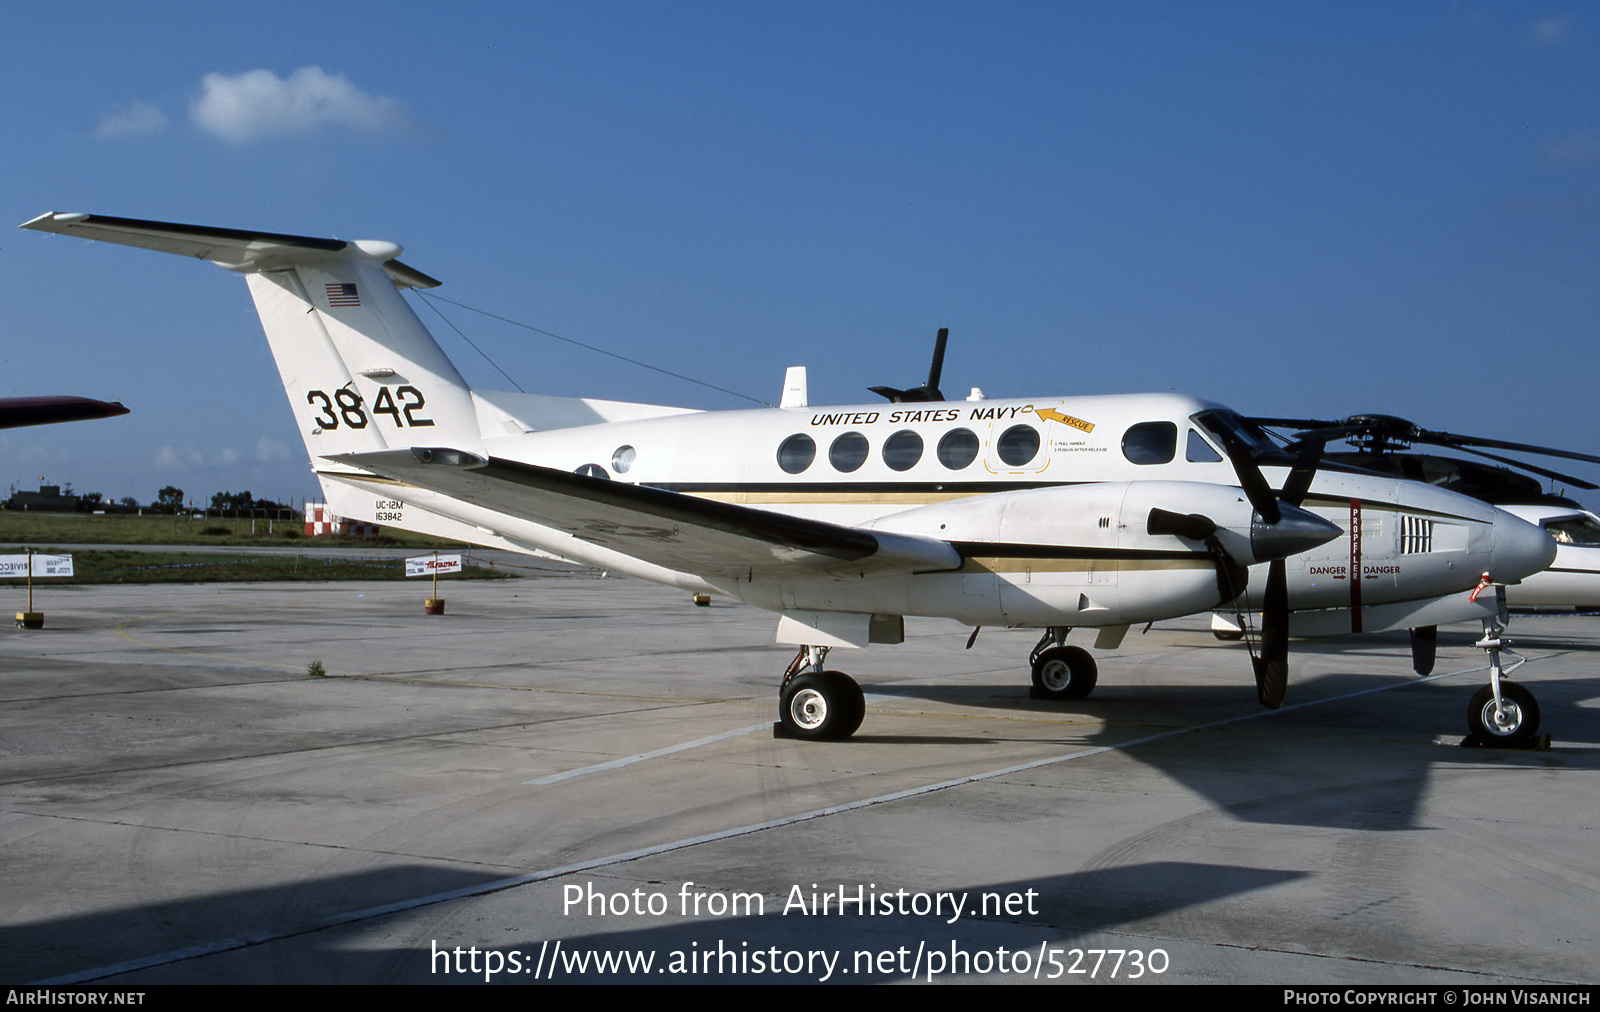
936	368
1272	667
1304	470
929	391
1252	480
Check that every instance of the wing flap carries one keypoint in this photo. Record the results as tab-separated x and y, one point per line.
681	532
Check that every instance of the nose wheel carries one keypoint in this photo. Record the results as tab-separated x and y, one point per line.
1512	722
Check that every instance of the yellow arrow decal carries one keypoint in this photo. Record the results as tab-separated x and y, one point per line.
1056	416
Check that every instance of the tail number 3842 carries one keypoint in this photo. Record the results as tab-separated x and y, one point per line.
345	406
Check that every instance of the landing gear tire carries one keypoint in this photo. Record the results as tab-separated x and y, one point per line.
1228	635
1063	673
821	706
1516	725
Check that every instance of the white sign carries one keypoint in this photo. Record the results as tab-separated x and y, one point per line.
16	566
431	565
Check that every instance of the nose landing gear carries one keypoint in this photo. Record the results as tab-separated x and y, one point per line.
1502	714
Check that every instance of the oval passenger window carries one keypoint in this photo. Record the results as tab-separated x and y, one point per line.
796	453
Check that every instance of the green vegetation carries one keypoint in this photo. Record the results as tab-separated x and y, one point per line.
121	529
130	566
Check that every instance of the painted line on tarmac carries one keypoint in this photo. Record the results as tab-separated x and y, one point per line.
515	881
614	764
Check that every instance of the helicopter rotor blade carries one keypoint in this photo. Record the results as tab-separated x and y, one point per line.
1534	468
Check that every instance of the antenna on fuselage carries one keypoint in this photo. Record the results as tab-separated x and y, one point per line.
929	391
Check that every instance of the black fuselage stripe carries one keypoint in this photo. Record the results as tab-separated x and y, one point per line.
1014	550
857	487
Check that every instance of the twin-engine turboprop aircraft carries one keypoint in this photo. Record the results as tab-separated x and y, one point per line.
1046	512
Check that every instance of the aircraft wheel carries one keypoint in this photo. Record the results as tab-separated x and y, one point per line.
1228	635
1064	673
1517	723
822	705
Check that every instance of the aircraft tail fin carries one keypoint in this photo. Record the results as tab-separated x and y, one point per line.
359	367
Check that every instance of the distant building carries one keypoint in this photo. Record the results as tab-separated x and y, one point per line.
48	499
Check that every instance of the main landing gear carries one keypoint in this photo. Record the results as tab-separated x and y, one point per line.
1061	672
817	705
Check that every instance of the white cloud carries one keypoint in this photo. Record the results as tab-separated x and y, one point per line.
259	103
131	120
169	456
1550	33
1579	150
268	450
193	459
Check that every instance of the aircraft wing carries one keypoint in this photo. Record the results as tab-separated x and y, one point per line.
19	411
680	532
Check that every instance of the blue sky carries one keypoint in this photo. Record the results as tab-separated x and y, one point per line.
1289	208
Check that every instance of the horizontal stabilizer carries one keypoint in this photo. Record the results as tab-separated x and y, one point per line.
668	529
235	249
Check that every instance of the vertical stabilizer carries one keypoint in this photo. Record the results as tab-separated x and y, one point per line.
360	369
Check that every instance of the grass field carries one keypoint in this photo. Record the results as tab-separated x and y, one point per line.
126	566
20	532
119	529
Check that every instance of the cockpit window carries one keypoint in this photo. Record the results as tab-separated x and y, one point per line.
1226	426
796	453
1199	451
1576	531
1150	442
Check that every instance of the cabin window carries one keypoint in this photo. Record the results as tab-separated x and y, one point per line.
1150	443
958	448
902	450
1200	451
1018	445
796	453
623	459
848	452
592	471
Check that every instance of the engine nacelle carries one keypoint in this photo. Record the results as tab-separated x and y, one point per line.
1067	555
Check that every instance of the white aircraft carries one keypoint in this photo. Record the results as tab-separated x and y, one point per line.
1573	579
1046	512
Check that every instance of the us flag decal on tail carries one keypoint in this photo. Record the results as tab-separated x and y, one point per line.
342	294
